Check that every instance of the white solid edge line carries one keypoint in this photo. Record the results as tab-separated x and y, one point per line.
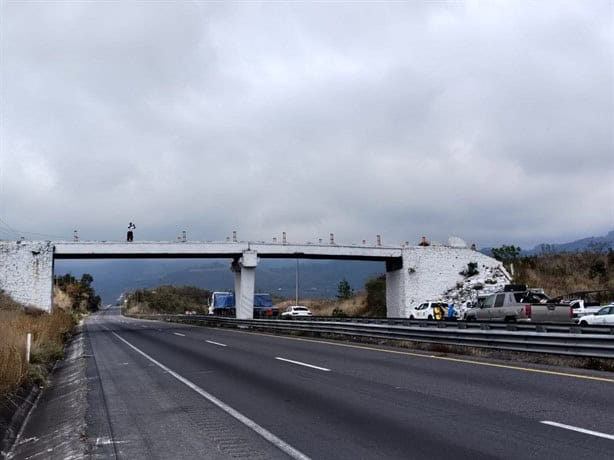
579	430
288	449
180	335
303	364
215	343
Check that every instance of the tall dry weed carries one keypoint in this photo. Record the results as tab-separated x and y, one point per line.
354	306
48	334
563	273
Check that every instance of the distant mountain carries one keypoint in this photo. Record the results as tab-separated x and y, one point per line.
317	279
602	243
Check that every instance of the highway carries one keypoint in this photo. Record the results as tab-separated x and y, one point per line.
162	390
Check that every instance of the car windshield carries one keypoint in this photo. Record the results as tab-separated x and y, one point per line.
300	309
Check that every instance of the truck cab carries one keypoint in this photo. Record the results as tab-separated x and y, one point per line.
222	303
263	306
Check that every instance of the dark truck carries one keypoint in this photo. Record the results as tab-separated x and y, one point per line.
518	303
223	304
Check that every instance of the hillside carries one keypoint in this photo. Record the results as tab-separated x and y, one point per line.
593	243
562	273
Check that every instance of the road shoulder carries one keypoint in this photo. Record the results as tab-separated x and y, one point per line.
55	427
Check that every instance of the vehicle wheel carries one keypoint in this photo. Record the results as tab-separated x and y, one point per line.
411	316
510	319
430	317
470	318
583	323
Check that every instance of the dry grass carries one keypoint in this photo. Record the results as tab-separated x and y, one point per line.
354	306
48	334
559	274
141	308
61	299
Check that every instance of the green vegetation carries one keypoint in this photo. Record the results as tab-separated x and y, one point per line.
169	299
471	270
344	290
376	296
82	294
506	254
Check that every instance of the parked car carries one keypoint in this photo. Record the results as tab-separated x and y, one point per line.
603	316
296	310
429	310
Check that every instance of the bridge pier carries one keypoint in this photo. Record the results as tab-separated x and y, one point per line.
235	267
245	283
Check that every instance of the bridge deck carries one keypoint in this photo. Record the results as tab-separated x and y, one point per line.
197	250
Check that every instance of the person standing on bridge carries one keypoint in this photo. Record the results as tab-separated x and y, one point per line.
130	235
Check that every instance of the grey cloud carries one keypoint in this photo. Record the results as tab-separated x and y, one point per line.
481	120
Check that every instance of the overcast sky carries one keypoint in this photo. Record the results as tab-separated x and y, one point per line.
488	120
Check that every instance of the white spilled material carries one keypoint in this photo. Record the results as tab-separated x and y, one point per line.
282	445
215	343
579	430
303	364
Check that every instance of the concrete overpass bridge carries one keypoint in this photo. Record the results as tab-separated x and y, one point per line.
413	273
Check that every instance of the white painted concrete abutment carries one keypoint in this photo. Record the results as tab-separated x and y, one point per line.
413	273
26	272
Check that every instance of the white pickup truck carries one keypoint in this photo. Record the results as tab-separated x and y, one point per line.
517	303
584	302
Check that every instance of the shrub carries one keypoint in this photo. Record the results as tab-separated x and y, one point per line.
471	270
168	299
597	269
376	295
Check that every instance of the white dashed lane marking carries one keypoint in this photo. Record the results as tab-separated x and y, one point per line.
280	444
579	430
303	364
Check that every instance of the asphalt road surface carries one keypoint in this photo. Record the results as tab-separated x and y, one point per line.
161	390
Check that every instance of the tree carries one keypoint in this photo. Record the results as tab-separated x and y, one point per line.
344	290
86	280
506	254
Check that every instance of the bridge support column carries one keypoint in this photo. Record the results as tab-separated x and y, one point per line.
395	289
244	295
235	267
26	272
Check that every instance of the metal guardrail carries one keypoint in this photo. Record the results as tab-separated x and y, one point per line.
552	338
